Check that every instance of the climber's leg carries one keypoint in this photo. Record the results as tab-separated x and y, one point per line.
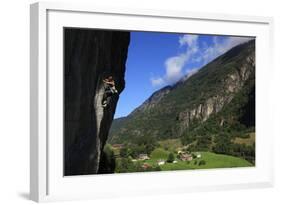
106	98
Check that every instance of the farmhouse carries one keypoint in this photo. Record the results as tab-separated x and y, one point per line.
143	157
160	162
146	165
186	157
117	146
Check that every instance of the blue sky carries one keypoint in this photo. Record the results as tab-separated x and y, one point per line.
159	59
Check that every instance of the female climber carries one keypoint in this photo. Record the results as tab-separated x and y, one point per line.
109	90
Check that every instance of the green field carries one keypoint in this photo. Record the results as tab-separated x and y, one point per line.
159	153
212	161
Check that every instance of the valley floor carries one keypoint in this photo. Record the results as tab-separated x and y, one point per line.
212	160
158	159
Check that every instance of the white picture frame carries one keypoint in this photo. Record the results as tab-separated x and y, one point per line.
47	182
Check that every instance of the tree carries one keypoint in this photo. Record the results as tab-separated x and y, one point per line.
170	158
157	168
134	151
125	165
188	138
107	162
124	152
203	143
148	144
202	162
223	144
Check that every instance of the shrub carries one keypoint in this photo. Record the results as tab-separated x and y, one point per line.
171	158
158	168
202	162
124	152
107	161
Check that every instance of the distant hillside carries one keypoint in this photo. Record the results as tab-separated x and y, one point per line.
219	97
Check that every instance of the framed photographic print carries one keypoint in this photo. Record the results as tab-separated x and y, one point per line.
126	96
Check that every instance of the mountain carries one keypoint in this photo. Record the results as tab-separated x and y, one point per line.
220	96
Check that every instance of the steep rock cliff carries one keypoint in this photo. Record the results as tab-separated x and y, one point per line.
232	84
89	57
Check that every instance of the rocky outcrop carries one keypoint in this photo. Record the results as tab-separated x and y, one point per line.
230	86
90	56
203	111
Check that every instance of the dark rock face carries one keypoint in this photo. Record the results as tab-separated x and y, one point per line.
89	57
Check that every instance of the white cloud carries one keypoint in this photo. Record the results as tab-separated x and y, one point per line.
174	67
175	64
156	82
219	47
234	41
190	41
190	72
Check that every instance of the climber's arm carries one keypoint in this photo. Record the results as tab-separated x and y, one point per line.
111	83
